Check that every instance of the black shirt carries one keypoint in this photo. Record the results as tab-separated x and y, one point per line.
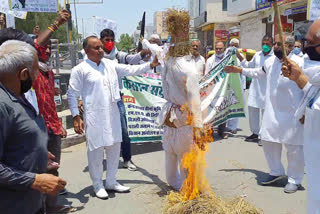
23	154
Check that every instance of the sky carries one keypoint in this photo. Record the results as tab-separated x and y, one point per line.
126	13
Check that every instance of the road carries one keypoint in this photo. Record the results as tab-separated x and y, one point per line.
234	169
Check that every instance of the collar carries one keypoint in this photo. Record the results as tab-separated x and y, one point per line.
10	94
92	63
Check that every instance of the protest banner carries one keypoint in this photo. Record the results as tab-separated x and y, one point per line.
143	98
5	8
102	23
221	94
46	6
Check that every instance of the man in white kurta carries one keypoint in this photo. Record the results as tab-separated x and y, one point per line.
309	81
278	125
96	81
257	90
199	60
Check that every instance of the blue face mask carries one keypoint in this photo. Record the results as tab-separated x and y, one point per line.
296	51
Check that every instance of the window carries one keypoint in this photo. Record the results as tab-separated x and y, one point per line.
224	5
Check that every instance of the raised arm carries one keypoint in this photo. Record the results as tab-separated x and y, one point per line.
249	72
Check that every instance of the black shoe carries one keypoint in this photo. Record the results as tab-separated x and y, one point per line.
271	179
252	138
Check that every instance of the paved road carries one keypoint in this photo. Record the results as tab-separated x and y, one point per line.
234	168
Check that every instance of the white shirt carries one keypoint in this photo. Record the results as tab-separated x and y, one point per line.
98	86
257	90
283	97
212	61
200	65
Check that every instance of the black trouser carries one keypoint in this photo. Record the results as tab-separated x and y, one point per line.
54	146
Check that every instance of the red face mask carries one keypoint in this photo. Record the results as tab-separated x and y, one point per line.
109	45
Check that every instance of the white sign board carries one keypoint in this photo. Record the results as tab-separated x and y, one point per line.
4	8
48	6
313	9
238	7
102	23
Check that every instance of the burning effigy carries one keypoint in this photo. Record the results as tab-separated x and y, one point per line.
196	195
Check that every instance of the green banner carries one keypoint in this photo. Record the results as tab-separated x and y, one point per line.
221	93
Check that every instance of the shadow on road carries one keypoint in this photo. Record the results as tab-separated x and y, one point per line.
147	147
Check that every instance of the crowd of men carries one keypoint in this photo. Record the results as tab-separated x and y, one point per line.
283	109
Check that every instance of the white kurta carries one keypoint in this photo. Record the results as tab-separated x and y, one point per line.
257	90
283	97
95	85
200	65
212	61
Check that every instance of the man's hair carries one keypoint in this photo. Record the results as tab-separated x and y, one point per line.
16	55
106	33
85	43
220	42
195	40
234	41
290	40
14	34
267	38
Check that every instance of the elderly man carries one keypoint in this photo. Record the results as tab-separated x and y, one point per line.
211	62
309	81
96	81
297	48
22	168
257	90
199	60
278	127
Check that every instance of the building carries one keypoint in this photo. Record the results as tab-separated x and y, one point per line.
257	19
159	23
212	22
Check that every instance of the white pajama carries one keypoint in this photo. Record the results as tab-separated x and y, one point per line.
255	118
232	124
295	158
95	163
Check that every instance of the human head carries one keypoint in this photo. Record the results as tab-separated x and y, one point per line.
14	34
312	48
155	39
267	43
36	30
19	66
107	39
235	43
277	47
297	44
93	48
219	48
289	43
195	47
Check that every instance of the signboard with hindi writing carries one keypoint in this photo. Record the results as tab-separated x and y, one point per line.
263	4
47	6
313	10
4	8
143	98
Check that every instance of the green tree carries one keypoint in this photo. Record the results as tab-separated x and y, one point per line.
125	43
44	20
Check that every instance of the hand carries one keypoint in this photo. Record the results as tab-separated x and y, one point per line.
78	124
57	91
302	119
141	38
232	69
63	132
80	107
52	165
62	17
48	184
239	56
292	70
145	53
154	63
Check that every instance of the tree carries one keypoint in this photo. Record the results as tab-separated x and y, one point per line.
44	20
125	43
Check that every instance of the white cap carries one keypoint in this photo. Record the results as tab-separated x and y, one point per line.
235	41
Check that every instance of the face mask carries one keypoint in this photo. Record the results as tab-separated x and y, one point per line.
266	49
26	84
109	46
278	53
296	51
312	53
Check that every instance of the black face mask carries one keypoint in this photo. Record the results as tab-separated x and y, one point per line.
26	84
278	53
312	52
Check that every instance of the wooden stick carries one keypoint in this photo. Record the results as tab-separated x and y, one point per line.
278	19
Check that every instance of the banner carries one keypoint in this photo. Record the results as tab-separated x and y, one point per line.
4	8
143	99
48	6
263	4
102	23
313	10
221	94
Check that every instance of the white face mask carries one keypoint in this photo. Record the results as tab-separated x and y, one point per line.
312	70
